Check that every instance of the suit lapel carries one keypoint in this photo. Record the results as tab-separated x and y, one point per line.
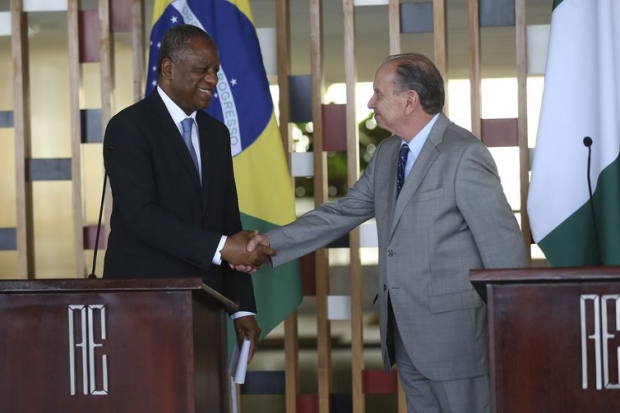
422	165
391	193
166	128
205	156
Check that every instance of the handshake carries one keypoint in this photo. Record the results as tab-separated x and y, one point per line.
246	251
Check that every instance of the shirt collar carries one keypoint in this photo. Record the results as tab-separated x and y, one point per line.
416	144
177	114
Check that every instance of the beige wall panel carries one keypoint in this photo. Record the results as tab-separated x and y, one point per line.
8	215
90	89
6	90
49	88
8	265
92	168
123	71
53	226
7	143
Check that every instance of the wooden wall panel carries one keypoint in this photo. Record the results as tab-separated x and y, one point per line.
320	197
473	26
291	340
380	382
299	98
335	128
91	130
6	119
48	169
353	167
499	132
91	240
8	239
524	152
416	17
77	47
121	17
88	35
23	150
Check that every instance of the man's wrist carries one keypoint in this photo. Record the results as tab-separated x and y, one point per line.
240	314
217	258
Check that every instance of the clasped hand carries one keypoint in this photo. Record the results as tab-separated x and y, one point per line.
246	251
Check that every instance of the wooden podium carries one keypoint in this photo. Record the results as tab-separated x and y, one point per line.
554	339
101	346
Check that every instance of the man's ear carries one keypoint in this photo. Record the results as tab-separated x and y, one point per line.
413	101
166	68
413	98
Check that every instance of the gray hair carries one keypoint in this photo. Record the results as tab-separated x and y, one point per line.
416	72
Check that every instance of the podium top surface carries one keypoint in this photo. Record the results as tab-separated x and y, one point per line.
551	274
75	285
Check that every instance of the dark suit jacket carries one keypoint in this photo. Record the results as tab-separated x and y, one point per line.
164	223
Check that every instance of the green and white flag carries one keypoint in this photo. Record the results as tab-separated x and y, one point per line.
581	98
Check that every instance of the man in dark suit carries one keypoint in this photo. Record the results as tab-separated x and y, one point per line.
175	211
434	190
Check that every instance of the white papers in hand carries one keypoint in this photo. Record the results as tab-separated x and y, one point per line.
239	362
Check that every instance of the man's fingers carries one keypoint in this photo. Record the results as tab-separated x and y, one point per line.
256	240
253	243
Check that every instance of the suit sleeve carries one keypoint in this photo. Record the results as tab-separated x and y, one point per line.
326	223
481	200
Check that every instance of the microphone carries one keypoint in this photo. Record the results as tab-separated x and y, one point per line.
92	275
587	142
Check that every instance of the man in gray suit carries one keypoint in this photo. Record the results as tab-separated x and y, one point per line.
450	216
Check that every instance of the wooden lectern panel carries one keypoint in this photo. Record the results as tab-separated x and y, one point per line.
111	346
554	340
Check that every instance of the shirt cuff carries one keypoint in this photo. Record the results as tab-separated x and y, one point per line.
240	314
217	258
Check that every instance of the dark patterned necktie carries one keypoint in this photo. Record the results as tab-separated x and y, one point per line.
187	138
402	163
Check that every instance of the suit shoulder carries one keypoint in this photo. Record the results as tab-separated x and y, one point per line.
212	123
390	142
138	109
460	137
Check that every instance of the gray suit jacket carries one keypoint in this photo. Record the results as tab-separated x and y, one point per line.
451	216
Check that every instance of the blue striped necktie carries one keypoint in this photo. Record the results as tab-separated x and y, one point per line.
402	163
187	138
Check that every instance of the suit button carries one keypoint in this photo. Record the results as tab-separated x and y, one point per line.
384	287
390	253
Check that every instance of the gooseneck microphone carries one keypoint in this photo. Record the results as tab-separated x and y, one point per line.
92	275
587	142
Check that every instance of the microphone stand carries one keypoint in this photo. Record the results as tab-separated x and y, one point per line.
587	141
92	275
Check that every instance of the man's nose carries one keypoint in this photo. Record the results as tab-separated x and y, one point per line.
211	78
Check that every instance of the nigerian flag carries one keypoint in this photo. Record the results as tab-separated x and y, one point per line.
581	99
243	102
